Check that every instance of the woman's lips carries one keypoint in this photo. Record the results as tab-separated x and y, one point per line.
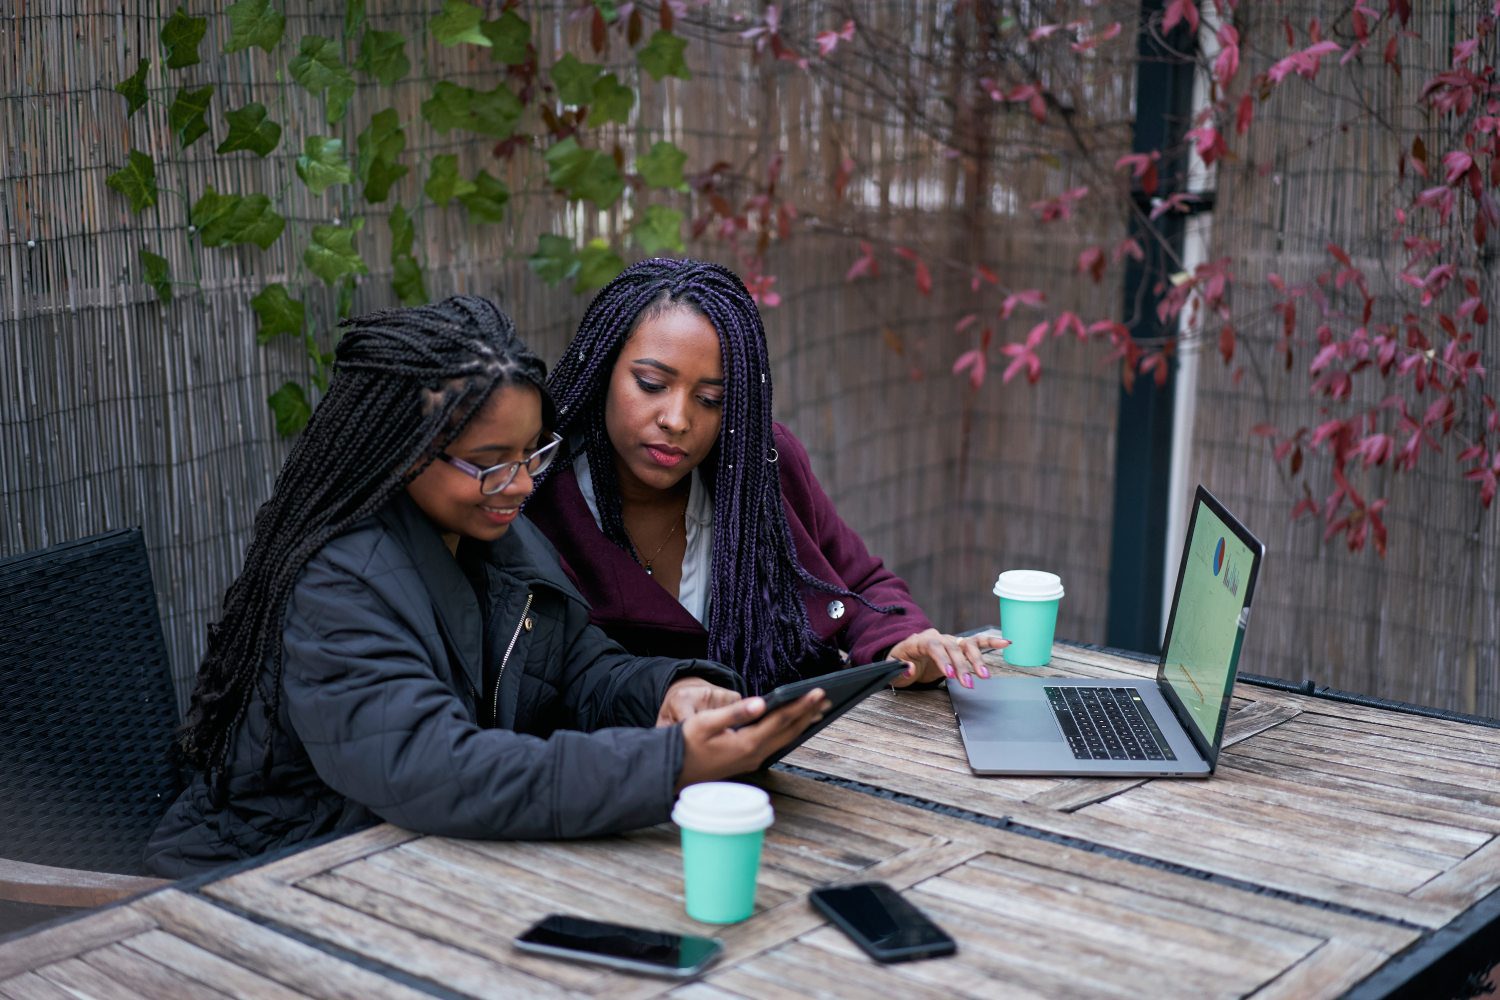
664	455
500	516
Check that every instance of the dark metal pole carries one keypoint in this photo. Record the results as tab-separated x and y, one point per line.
1143	435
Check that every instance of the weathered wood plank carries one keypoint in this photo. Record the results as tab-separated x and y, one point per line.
275	956
147	976
1443	747
74	937
1294	757
323	857
87	982
1467	882
1335	967
1375	750
206	967
30	986
417	955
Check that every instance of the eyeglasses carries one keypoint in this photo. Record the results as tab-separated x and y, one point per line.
497	477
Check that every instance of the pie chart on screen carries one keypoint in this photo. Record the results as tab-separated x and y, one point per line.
1218	557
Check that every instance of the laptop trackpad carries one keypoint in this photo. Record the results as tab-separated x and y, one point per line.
1022	717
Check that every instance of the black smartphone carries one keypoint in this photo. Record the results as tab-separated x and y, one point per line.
637	949
880	921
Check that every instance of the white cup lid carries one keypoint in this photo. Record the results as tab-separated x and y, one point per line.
1029	585
723	807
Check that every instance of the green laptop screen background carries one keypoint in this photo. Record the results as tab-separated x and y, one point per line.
1207	629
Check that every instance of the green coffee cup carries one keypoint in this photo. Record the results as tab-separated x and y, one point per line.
723	826
1028	614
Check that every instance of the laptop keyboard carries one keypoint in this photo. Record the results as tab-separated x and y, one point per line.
1107	723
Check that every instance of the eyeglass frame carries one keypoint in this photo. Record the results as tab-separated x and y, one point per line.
547	452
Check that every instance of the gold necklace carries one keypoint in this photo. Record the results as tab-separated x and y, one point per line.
646	563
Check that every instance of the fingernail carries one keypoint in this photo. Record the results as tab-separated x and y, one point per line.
984	671
966	681
756	704
948	671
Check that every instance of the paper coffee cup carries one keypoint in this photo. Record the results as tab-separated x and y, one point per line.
1028	614
723	826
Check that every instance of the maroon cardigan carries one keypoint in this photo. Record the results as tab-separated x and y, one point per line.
641	616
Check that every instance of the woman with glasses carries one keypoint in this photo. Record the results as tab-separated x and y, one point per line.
402	645
692	523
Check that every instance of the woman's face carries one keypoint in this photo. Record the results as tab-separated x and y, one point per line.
665	400
507	428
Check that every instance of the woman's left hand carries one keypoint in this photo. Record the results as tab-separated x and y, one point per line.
689	696
933	655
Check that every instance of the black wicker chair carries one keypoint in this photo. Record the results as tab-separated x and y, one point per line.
86	720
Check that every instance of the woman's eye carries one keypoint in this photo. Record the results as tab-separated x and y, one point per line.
714	402
647	385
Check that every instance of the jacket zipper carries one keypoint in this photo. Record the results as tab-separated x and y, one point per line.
495	707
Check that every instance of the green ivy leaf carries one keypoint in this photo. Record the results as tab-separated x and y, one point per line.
448	107
495	111
583	173
382	54
383	176
317	67
609	9
186	115
458	23
136	181
574	80
158	274
407	283
322	164
510	35
403	233
382	139
612	101
662	57
279	313
486	203
443	183
660	228
331	254
134	87
249	128
378	146
662	167
228	219
598	265
180	37
254	22
354	17
554	259
339	95
291	408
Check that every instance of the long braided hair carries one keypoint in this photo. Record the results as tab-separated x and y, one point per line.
405	383
757	622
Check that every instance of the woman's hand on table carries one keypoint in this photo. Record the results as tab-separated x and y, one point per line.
932	655
722	742
689	696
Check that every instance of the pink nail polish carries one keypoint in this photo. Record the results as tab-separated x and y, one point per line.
967	681
984	672
948	671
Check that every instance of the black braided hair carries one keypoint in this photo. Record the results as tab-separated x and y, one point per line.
405	383
757	622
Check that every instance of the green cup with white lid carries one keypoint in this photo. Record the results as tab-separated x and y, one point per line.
723	826
1028	614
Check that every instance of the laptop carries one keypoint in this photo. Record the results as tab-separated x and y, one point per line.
1172	726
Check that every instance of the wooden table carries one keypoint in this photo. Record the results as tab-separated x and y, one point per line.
1297	871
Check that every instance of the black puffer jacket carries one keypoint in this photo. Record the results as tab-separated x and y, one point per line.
385	712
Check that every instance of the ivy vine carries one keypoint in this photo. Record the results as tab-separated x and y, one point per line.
556	110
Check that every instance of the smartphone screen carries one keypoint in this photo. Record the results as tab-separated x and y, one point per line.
617	945
881	922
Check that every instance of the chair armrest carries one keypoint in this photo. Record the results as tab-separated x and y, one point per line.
23	882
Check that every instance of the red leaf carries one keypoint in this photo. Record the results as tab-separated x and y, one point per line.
982	275
975	362
1339	255
1031	296
1091	262
1180	12
1226	343
841	177
598	31
866	266
923	278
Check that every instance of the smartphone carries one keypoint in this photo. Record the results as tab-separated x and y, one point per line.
637	949
880	921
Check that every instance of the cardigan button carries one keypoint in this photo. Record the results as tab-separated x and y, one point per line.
835	610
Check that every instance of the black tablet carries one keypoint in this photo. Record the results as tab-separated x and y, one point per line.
844	688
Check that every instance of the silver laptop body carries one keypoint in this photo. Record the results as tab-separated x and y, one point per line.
1107	727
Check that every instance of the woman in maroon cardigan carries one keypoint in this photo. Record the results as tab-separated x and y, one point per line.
690	521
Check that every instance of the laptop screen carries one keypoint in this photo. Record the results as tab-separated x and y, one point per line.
1208	620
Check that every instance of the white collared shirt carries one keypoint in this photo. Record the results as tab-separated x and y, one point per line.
697	560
